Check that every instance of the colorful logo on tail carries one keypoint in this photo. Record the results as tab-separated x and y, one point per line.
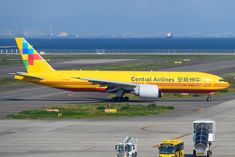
28	53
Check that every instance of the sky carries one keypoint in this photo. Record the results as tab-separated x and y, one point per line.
118	17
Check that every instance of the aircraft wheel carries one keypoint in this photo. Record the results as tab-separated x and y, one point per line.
125	99
114	99
208	99
121	99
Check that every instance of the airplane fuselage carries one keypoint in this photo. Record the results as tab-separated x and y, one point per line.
168	82
145	84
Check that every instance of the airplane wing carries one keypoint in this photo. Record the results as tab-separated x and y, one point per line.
113	86
27	75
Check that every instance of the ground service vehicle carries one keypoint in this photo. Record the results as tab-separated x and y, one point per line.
171	148
203	136
127	148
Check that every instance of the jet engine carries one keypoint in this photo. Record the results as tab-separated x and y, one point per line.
147	91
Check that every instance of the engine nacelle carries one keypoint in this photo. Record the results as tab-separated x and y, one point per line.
147	91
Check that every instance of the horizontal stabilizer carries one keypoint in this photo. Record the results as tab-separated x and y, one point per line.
27	75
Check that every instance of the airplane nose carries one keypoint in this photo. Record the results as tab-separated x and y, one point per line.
227	84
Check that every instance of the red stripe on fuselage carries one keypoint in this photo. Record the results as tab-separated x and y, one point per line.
185	91
85	89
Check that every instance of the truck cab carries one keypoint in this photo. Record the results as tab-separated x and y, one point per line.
171	148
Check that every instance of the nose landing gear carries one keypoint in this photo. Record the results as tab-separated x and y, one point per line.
209	96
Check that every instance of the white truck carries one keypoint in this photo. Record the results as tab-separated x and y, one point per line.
203	137
127	148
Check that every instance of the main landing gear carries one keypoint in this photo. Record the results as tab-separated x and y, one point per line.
119	97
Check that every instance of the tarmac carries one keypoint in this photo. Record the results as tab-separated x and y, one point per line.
97	137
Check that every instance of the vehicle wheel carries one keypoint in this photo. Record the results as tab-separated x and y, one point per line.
209	153
194	153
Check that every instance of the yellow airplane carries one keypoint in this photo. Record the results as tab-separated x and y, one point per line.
145	84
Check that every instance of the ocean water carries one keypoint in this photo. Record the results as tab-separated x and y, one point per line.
125	44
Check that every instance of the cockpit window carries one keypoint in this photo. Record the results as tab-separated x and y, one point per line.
221	80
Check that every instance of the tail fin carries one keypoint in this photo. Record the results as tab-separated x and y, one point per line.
32	59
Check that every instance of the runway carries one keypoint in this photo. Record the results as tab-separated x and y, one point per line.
97	137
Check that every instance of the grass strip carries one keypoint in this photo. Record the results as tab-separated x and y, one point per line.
92	111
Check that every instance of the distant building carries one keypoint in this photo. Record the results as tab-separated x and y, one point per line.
63	34
169	35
